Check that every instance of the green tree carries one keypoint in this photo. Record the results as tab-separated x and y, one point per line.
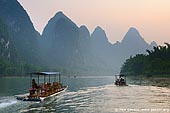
156	62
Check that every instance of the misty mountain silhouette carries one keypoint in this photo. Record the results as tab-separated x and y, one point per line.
134	43
132	35
21	31
92	52
99	35
63	44
59	40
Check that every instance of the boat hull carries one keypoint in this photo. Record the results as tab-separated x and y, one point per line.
121	85
25	97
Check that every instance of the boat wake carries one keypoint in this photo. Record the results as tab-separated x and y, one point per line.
7	101
98	99
107	98
9	104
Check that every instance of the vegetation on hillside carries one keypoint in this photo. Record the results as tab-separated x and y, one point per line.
156	62
10	62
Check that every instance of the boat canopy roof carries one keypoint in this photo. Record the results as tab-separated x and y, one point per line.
45	73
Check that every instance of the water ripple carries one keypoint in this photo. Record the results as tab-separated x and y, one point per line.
104	99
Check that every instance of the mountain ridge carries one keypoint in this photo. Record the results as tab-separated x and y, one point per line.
22	32
93	49
65	45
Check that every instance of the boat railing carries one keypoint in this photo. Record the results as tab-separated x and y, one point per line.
47	89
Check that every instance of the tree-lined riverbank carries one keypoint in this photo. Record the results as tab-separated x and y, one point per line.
150	81
156	62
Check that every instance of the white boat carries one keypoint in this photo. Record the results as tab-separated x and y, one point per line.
43	91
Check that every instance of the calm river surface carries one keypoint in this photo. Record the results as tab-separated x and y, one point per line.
87	95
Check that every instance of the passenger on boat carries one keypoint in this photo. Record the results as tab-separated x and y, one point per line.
34	87
122	80
34	84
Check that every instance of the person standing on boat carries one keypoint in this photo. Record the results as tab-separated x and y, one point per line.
34	87
122	80
34	84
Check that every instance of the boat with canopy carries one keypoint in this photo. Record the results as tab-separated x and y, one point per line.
120	80
43	91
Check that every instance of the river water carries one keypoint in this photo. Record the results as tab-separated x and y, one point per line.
87	95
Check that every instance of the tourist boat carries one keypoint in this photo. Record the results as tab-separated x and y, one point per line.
120	80
43	91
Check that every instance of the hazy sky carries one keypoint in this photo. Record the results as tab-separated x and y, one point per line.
150	17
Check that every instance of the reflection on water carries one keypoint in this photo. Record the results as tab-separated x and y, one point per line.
96	96
109	98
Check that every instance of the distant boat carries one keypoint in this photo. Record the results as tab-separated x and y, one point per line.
120	80
43	91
